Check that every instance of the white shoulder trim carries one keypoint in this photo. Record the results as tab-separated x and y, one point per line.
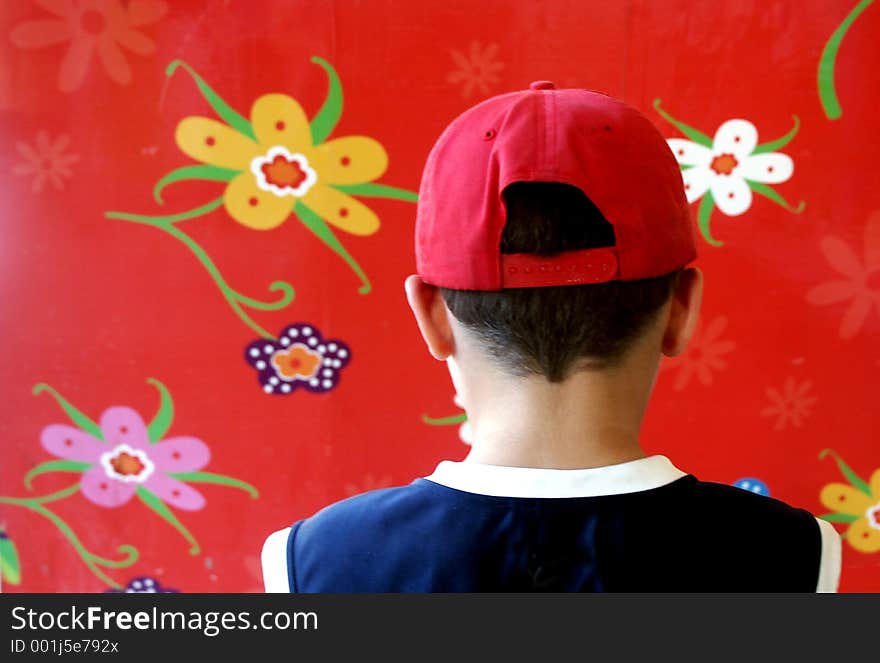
501	481
274	561
829	567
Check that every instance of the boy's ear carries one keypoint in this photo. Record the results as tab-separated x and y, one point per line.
431	316
684	311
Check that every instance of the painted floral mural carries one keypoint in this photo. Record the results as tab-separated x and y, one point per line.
170	163
727	169
277	165
856	504
119	458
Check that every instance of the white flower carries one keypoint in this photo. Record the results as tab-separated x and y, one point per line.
728	166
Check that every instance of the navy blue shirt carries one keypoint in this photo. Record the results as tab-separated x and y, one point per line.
638	526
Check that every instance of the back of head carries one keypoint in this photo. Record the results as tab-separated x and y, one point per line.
554	223
553	331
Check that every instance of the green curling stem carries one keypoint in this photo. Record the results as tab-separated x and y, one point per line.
75	415
828	61
325	121
839	517
155	503
54	466
445	421
165	414
856	481
187	173
233	297
372	190
318	226
210	477
774	145
160	221
704	214
287	296
690	132
769	192
91	560
223	110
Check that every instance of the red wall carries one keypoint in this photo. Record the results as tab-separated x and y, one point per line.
95	303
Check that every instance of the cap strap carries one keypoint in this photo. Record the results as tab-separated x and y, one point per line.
526	270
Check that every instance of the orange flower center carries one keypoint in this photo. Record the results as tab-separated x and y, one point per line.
874	516
724	164
296	363
127	465
283	172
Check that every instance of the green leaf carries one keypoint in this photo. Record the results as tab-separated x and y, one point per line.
703	216
199	172
769	192
156	504
839	517
164	416
445	421
210	477
690	132
223	110
828	60
779	143
854	479
10	566
75	415
54	466
327	117
372	190
320	228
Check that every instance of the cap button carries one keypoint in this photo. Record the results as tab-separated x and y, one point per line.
542	85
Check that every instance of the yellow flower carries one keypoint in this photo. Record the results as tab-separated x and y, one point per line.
864	532
283	166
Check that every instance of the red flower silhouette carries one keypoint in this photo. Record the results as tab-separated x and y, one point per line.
790	405
477	69
89	26
45	160
861	282
368	483
704	354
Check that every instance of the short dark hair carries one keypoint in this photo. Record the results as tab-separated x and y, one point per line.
554	331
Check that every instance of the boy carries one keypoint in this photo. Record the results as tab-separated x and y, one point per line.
553	244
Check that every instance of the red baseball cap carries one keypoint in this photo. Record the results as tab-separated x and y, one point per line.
594	142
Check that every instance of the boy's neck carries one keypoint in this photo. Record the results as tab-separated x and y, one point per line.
591	419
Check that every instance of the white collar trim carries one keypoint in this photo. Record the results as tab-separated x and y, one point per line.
501	481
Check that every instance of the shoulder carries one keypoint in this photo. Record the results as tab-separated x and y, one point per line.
733	510
365	510
782	538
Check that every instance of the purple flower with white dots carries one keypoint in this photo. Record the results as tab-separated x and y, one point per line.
143	585
299	358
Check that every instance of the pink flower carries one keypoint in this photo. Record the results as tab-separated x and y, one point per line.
46	160
90	26
861	278
703	355
477	69
126	460
791	404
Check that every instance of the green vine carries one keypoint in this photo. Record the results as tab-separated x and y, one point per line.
828	62
234	298
91	560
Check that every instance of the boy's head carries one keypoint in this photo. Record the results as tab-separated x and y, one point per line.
555	226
